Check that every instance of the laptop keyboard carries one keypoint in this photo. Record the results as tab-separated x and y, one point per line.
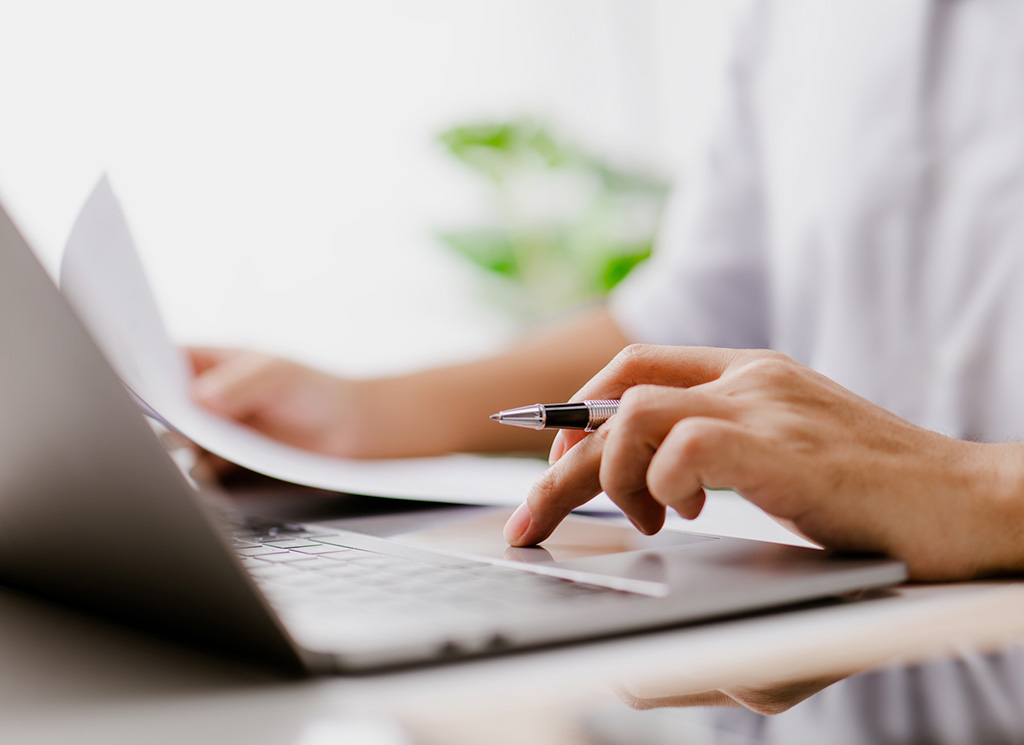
305	572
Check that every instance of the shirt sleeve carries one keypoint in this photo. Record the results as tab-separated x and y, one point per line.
705	283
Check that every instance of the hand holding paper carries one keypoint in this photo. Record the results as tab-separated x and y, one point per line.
104	281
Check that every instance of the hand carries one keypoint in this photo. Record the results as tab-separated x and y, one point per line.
766	700
843	471
285	400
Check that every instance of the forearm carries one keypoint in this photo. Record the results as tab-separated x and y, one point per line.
447	409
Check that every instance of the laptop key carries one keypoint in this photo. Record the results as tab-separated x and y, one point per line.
289	543
323	548
258	551
285	558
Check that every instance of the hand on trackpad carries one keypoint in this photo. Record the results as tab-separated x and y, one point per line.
577	537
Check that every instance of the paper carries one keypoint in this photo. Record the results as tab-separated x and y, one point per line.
103	280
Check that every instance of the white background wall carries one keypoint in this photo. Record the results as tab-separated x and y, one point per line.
276	160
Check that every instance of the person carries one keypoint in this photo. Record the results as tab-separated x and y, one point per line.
858	209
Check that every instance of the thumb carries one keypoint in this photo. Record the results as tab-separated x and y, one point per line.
564	441
238	386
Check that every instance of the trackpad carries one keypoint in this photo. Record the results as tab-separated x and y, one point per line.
580	544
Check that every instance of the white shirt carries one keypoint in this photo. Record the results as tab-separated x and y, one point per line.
860	207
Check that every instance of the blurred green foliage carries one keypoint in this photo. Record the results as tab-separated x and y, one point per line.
565	225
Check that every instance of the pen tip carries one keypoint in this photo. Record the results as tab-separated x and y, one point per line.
496	417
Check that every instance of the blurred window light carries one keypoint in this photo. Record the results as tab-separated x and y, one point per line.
277	161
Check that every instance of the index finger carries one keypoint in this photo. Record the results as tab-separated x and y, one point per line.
558	492
680	367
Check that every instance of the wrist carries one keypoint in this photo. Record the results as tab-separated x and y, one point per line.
359	423
966	511
389	418
1001	479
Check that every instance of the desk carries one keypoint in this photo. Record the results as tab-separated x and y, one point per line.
67	677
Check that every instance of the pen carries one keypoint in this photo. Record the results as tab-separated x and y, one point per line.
585	415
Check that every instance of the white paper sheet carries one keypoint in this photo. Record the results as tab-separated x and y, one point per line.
103	279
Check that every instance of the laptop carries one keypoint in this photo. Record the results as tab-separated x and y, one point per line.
94	511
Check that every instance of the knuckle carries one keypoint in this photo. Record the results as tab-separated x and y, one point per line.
635	703
544	488
637	405
765	707
632	358
638	396
692	440
777	699
772	367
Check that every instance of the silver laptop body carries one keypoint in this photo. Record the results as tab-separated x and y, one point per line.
95	512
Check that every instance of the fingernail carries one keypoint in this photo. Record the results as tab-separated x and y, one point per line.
518	524
638	526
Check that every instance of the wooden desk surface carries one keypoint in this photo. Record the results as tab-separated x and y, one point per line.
69	677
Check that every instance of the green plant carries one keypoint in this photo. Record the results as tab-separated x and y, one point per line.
566	225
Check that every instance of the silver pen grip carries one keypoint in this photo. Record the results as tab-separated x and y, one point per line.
601	411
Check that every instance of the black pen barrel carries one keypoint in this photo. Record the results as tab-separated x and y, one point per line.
567	416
